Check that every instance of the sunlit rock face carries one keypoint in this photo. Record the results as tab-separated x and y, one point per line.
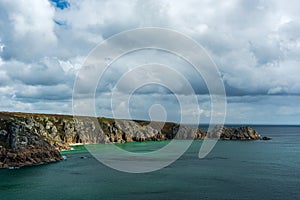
28	139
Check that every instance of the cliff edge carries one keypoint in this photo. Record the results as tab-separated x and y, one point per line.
20	146
28	139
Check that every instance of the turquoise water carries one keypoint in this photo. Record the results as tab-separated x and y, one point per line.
233	170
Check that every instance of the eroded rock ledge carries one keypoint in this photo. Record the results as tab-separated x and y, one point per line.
28	139
20	146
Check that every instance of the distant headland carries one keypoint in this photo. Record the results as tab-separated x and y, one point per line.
32	139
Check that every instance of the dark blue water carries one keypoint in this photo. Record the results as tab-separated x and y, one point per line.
233	170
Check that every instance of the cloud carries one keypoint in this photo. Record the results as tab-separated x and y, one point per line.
36	93
263	109
255	44
27	29
45	72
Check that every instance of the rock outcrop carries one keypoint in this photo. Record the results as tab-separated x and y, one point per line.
20	145
265	138
27	139
240	133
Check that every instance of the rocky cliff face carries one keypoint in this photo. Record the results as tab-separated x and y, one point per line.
34	138
240	133
20	146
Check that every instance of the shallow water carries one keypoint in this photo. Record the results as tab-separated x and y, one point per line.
233	170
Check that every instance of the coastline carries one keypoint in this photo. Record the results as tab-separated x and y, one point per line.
27	139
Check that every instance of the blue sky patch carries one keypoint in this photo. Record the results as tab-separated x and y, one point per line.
62	4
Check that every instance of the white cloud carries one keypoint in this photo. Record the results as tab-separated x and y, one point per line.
256	45
27	29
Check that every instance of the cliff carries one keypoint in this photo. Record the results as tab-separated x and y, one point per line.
20	145
27	139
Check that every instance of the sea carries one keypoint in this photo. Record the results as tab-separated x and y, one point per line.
232	170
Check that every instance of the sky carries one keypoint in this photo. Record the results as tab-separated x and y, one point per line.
255	45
